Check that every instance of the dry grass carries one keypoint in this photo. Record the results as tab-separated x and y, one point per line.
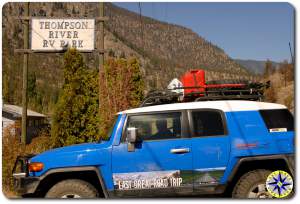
281	91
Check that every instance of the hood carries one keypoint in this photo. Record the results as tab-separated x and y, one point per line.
87	154
72	148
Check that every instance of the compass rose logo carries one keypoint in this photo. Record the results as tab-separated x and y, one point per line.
279	184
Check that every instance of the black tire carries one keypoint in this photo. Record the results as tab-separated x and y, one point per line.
72	188
248	182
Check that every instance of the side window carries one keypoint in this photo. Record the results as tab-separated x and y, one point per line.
207	123
156	126
278	120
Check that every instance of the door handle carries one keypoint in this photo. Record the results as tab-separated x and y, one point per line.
180	150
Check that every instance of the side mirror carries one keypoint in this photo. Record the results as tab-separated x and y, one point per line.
131	138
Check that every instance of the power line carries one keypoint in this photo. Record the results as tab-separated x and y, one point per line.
141	23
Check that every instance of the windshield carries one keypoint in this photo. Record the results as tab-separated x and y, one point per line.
110	130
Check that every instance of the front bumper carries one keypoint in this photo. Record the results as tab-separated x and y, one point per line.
23	183
26	185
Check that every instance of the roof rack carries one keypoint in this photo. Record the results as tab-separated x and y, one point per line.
169	96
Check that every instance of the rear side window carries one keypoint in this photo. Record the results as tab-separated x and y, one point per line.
278	120
207	123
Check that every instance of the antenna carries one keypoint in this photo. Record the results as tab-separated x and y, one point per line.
292	57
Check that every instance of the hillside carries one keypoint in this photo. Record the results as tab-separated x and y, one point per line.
282	89
165	51
255	66
172	44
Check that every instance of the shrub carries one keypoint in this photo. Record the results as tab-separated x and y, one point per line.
12	147
270	95
289	102
122	88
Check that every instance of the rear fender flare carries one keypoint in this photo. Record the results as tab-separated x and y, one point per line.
260	158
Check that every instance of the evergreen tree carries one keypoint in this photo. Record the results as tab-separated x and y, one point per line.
136	83
76	117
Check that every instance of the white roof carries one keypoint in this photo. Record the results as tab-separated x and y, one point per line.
226	106
17	110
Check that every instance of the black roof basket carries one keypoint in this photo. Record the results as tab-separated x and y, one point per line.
253	91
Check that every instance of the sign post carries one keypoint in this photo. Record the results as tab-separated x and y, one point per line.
24	138
101	48
57	35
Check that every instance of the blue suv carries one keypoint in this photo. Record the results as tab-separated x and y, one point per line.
181	149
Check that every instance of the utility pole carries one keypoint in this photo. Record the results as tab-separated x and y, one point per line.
25	72
101	48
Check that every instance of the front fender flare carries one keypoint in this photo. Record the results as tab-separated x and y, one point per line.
75	169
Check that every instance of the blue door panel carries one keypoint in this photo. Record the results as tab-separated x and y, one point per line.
150	159
151	156
210	157
210	152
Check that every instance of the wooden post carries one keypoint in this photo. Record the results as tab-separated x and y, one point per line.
24	138
100	46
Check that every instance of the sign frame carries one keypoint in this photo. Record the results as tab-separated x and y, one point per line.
62	50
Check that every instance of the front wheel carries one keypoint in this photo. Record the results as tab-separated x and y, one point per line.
252	185
72	188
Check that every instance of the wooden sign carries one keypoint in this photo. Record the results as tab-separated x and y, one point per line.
48	34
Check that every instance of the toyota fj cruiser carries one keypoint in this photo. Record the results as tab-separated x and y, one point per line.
211	147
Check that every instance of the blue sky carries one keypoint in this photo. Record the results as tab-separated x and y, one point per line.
256	31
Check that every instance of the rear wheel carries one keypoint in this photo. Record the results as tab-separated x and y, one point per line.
252	185
72	188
